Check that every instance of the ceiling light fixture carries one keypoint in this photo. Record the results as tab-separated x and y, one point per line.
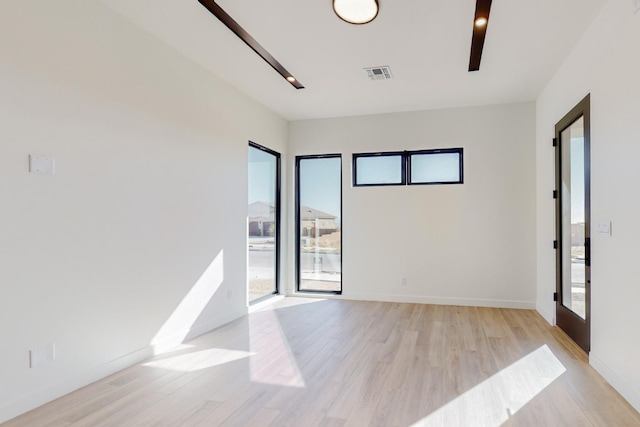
356	11
481	22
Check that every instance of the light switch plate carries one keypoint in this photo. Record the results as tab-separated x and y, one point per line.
43	354
636	6
42	165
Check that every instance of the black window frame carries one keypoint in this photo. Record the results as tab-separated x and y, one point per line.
278	219
459	151
403	165
298	223
406	166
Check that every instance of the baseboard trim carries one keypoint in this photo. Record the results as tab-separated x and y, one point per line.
630	394
266	303
548	316
527	305
29	402
41	397
162	344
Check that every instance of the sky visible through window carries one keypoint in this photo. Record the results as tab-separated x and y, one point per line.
577	180
320	181
261	176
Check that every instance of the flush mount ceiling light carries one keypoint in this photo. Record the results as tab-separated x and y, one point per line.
356	11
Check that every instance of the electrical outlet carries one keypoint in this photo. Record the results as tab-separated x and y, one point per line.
41	165
43	354
403	282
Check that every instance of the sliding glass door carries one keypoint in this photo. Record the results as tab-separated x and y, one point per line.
263	222
319	223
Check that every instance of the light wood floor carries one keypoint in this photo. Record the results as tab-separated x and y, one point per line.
310	362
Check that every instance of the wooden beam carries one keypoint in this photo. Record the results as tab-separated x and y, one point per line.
483	8
231	24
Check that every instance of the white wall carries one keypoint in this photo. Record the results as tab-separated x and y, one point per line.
146	213
470	244
606	64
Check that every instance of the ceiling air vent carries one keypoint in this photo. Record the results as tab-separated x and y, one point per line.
379	73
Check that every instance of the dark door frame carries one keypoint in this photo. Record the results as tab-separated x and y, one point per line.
578	329
277	220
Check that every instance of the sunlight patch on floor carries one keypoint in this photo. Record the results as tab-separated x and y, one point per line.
497	398
274	362
293	301
199	360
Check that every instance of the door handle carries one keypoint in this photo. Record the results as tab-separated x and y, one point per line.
587	251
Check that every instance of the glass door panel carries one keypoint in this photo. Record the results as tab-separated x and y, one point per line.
263	222
573	218
319	223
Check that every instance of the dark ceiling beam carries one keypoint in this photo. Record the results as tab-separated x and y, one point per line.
483	7
231	24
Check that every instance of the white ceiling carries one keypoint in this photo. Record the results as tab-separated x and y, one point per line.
425	42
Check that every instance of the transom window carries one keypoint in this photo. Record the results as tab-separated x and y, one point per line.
422	167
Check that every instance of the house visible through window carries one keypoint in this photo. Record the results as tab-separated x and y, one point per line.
263	222
319	223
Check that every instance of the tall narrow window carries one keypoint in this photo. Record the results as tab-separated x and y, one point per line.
319	223
263	222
